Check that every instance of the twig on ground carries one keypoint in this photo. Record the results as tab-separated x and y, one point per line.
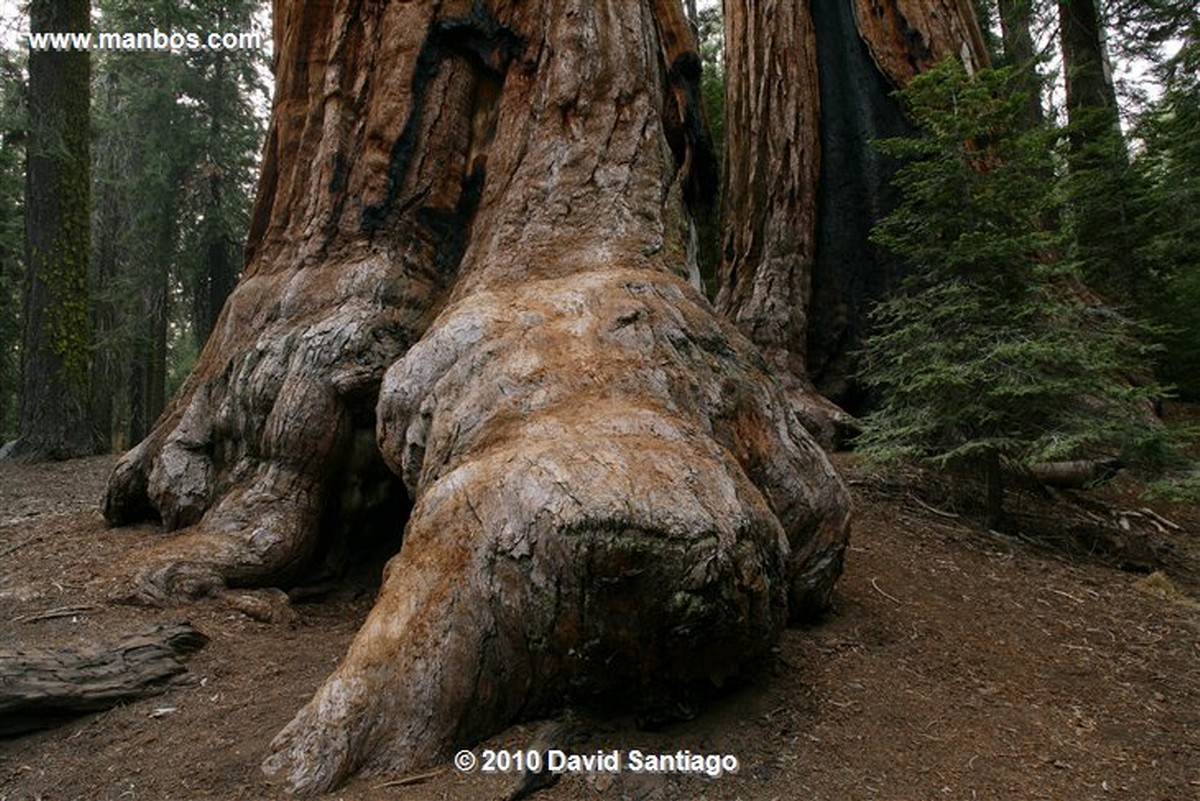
936	511
1153	515
875	584
408	781
1159	527
1063	594
51	614
27	541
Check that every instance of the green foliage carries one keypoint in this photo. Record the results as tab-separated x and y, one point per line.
993	345
711	35
1179	486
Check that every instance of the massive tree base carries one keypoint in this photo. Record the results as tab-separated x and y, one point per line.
612	500
596	461
484	314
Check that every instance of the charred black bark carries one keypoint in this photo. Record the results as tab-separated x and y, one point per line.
854	193
691	140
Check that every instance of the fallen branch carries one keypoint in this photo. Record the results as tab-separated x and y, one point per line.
40	687
1153	515
1063	594
408	781
1079	474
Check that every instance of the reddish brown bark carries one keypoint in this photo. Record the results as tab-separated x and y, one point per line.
907	37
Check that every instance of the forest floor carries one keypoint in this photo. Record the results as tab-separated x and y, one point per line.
1047	663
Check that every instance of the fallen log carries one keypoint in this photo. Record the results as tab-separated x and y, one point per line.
1079	474
41	688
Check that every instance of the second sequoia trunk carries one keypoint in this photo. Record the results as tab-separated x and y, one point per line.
808	93
468	287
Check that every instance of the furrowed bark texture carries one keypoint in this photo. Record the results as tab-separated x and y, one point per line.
771	169
907	37
343	273
808	91
473	238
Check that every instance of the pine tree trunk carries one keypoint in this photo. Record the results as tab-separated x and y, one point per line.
1016	25
1098	161
56	345
219	275
472	239
109	223
1085	60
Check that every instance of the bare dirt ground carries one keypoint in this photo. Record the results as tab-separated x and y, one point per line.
957	664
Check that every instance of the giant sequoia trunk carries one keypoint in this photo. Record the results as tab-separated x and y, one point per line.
808	93
468	264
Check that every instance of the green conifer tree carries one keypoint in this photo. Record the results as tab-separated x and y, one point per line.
1170	242
993	350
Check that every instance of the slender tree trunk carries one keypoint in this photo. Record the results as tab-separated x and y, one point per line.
105	378
56	350
147	369
148	374
994	488
1099	160
220	271
471	242
156	362
1016	25
109	220
1085	60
